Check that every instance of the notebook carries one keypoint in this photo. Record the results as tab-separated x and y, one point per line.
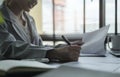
18	67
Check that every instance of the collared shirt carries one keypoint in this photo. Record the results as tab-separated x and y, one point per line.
25	27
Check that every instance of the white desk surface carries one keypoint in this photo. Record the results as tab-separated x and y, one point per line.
109	63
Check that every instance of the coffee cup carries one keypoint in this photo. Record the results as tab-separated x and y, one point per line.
115	43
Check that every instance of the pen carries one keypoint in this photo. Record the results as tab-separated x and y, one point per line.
66	40
44	60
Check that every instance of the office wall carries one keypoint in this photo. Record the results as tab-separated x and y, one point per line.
36	12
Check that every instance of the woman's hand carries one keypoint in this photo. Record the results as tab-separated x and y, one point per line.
65	54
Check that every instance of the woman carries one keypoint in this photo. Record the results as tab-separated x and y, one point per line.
20	39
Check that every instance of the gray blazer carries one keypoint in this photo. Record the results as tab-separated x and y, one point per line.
14	42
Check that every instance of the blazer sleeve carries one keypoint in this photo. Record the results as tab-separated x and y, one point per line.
10	48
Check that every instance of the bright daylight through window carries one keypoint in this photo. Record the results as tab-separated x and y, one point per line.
68	16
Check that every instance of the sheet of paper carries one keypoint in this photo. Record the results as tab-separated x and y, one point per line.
94	41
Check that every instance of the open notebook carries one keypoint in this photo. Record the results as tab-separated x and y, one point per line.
94	42
22	67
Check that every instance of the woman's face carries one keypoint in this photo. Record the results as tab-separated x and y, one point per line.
25	5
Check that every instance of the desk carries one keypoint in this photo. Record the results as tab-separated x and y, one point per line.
109	63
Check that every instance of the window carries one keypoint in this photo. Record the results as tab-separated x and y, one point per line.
110	14
118	16
69	16
47	17
92	15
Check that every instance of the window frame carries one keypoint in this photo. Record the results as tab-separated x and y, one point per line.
53	37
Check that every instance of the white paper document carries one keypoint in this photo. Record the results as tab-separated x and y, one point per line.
94	42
